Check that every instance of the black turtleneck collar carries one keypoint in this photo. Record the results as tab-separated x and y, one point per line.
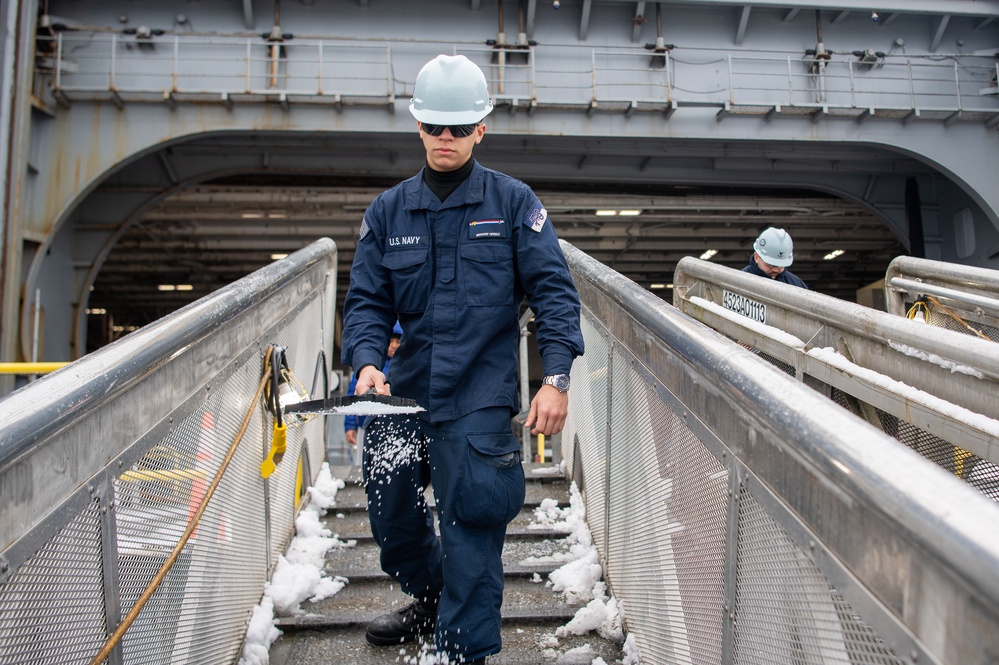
443	183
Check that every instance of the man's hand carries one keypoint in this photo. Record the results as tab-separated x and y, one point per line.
548	410
371	377
351	436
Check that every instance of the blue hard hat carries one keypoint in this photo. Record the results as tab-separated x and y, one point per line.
397	330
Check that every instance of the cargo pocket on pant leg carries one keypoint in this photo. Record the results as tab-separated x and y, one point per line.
491	490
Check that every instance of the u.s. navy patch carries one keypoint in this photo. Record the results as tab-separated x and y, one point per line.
487	228
536	219
364	229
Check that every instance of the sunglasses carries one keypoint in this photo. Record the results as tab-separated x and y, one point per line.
457	131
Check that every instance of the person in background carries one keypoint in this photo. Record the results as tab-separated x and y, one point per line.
453	251
773	253
351	424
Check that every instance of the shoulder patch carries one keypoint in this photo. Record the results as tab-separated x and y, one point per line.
364	229
536	219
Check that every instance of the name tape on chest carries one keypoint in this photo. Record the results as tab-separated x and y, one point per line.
487	228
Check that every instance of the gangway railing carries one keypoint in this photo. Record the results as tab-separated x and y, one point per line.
108	464
934	390
949	295
93	64
742	517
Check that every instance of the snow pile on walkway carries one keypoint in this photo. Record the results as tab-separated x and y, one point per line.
579	580
299	574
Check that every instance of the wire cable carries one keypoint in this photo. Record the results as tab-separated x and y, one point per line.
957	318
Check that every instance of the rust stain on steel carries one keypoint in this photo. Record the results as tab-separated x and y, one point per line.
58	165
97	145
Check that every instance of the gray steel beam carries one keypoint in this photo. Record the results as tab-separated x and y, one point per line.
939	33
954	7
740	32
639	20
248	13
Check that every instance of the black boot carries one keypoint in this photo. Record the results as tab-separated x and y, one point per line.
402	625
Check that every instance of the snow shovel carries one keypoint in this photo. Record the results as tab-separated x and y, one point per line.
368	404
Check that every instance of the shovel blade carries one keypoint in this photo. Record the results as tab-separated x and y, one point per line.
357	405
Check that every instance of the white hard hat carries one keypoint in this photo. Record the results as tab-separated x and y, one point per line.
450	90
774	246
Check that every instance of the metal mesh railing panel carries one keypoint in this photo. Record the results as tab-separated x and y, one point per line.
786	610
667	526
52	607
941	318
977	472
980	474
222	569
787	368
588	423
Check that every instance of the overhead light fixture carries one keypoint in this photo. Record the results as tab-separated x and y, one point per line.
185	287
97	311
277	215
708	254
833	254
657	286
252	215
622	213
278	257
167	287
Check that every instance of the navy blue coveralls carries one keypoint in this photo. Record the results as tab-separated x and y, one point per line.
454	273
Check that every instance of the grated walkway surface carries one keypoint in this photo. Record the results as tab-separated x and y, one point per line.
331	631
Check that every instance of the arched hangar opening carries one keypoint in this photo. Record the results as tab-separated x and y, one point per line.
198	214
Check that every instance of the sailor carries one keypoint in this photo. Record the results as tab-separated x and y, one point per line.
773	253
452	252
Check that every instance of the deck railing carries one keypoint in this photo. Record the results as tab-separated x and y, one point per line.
175	68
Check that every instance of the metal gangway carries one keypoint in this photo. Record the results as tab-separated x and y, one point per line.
740	515
933	389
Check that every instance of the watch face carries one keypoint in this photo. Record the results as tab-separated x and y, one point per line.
560	381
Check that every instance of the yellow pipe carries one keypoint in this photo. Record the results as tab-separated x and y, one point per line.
135	476
31	368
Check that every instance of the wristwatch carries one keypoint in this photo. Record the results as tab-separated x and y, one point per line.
560	381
